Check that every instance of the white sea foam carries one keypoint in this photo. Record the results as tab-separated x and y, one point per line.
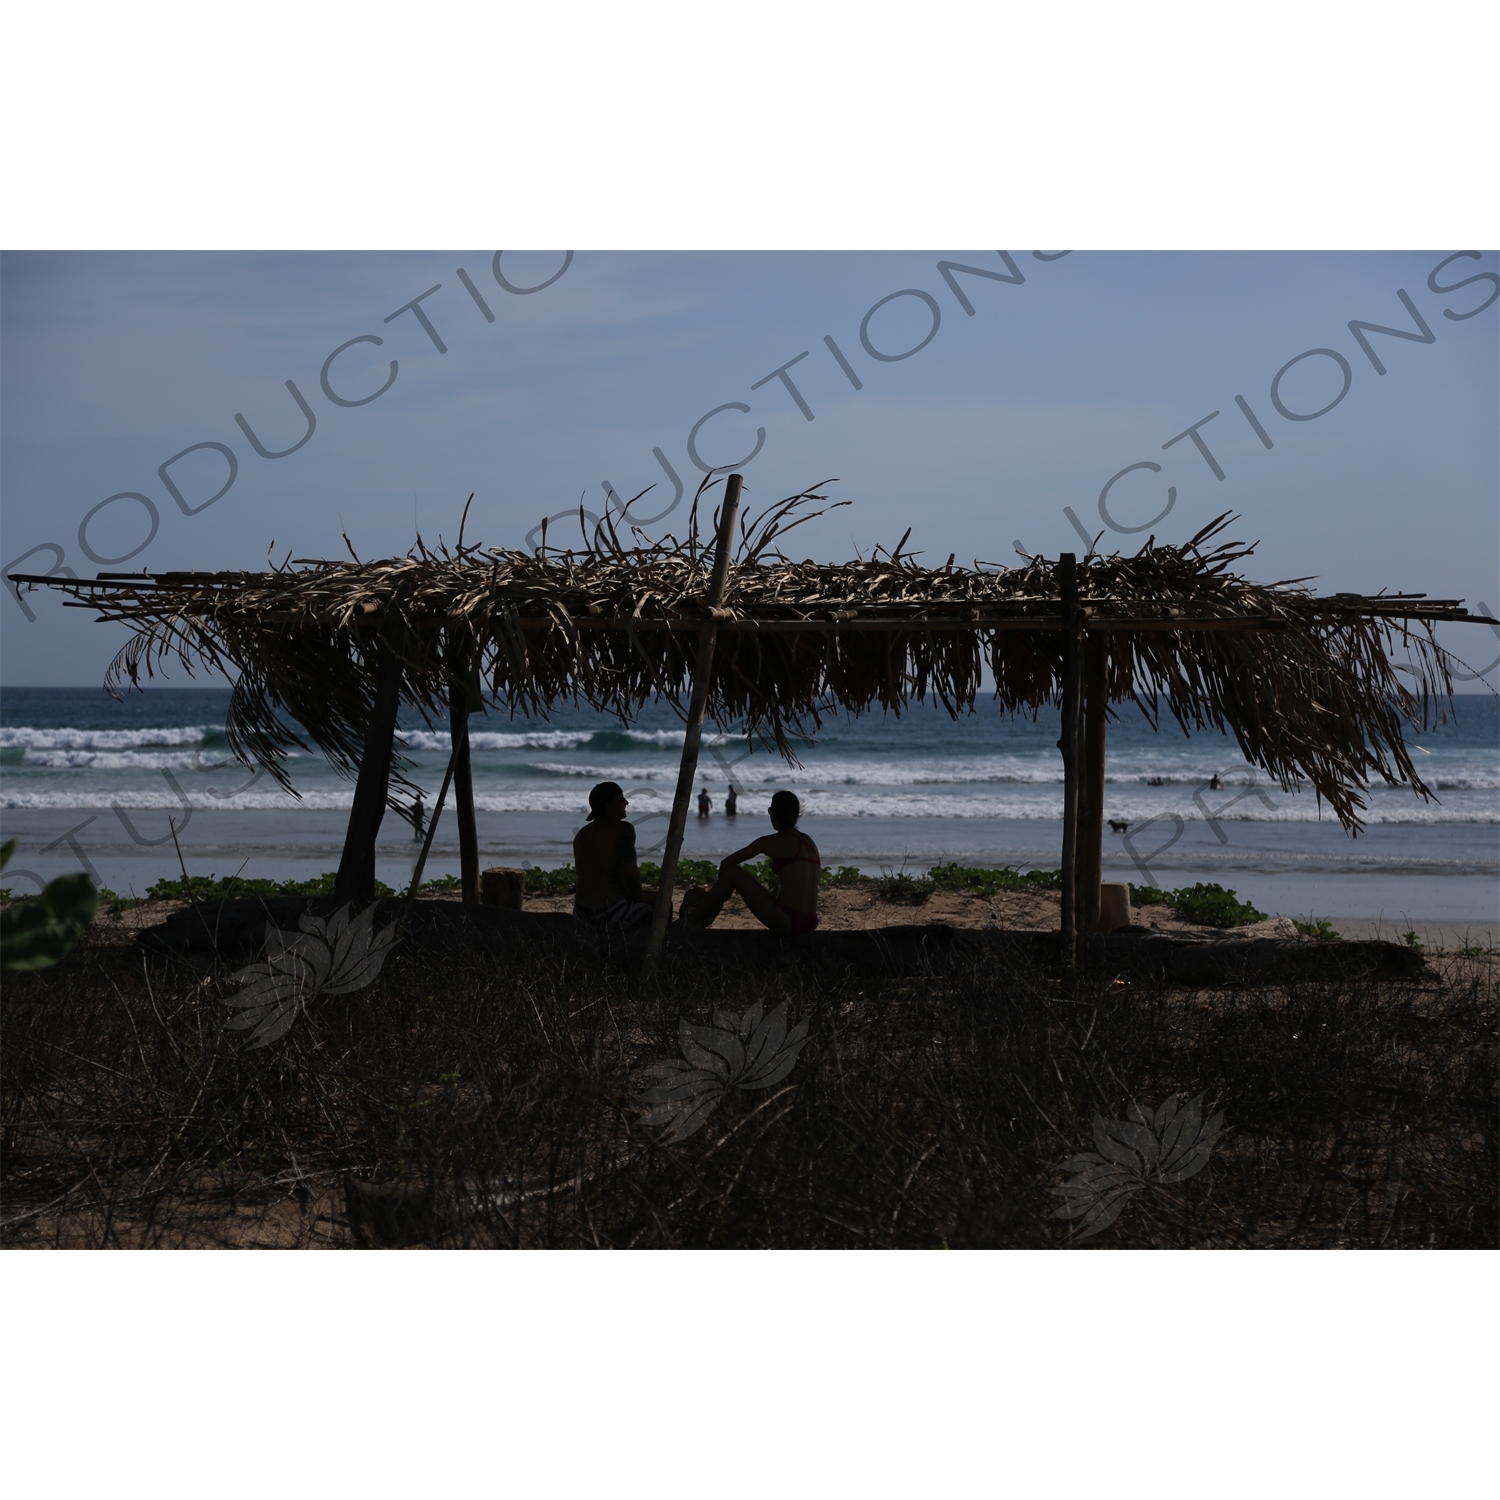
25	737
660	772
653	801
540	739
134	760
552	739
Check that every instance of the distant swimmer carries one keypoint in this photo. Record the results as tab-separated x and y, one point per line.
1155	781
705	803
1115	826
731	803
417	820
1214	784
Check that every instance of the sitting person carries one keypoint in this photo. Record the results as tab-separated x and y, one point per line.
794	859
609	893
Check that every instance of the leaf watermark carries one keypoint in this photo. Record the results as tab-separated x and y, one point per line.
752	1051
326	957
1142	1150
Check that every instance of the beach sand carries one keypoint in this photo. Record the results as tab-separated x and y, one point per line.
861	908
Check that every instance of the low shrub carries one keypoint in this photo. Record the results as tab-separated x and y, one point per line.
905	890
1205	905
217	888
562	881
689	872
951	877
1213	906
37	931
1322	929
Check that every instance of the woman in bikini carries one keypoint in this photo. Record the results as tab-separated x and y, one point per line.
794	860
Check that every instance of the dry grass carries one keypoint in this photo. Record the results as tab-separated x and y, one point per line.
490	1102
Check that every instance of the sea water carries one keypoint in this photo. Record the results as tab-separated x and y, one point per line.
88	781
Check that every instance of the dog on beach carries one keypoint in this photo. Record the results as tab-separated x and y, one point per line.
1115	826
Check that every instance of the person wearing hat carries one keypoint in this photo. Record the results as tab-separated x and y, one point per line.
609	892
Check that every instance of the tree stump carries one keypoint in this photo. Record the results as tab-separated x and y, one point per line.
503	887
1114	907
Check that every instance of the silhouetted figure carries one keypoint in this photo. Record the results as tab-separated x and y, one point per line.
795	863
705	803
1117	826
418	820
731	803
608	894
1214	784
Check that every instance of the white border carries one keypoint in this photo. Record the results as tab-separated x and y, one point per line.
795	124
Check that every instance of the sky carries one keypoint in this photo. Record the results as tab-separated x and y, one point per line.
1002	401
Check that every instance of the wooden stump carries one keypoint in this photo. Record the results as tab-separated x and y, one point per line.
1113	907
503	887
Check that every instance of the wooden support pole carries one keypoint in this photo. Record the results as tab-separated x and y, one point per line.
463	788
1067	572
356	877
1091	828
432	823
697	704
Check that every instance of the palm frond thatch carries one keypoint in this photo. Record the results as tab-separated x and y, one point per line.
1308	686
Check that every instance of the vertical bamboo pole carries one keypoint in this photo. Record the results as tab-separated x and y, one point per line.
356	877
1067	576
1091	830
463	788
432	823
707	635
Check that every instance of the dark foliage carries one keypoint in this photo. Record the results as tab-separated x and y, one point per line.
220	888
462	1100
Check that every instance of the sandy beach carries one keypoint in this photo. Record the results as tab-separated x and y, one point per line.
862	908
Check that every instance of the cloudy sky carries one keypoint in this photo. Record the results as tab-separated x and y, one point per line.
1001	419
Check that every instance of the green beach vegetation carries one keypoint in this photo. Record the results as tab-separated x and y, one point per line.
1207	905
36	931
1202	904
1321	929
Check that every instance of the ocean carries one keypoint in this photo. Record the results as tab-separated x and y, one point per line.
86	780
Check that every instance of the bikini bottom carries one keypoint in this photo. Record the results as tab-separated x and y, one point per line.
802	921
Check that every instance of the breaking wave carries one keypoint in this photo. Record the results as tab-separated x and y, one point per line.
26	737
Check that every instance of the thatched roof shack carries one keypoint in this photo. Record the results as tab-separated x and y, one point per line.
1308	685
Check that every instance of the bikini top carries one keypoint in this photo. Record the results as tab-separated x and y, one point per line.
778	865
